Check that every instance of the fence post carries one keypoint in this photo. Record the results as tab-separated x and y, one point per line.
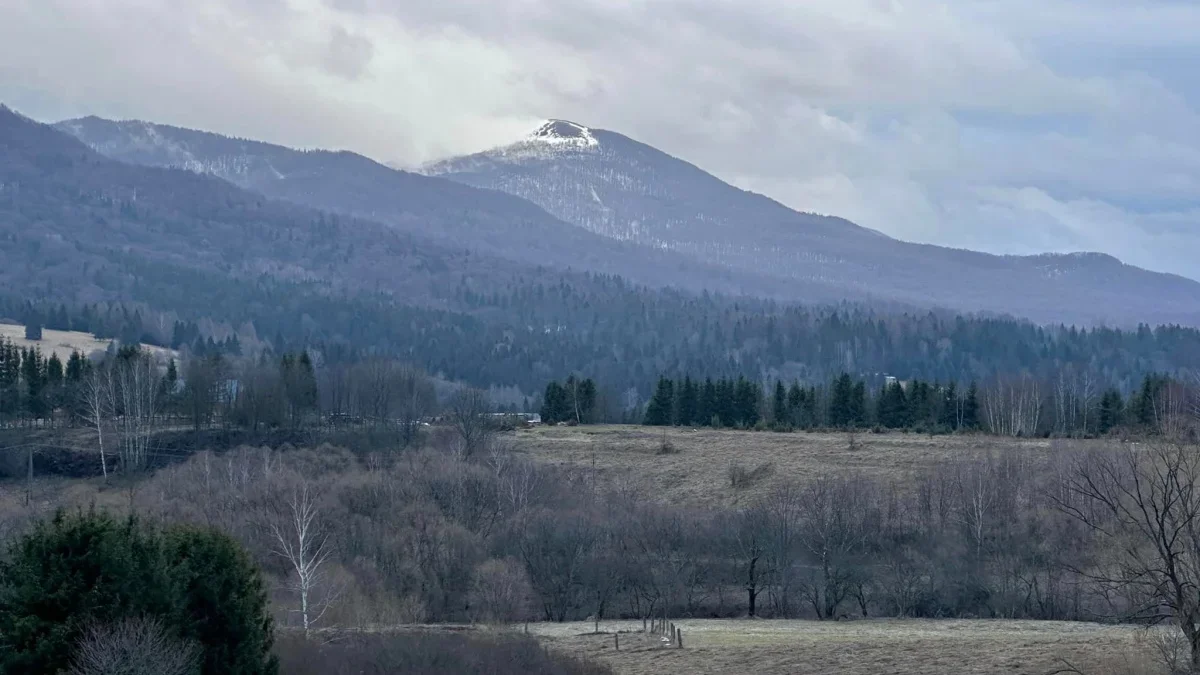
617	641
678	637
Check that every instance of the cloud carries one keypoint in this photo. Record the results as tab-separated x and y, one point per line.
1018	127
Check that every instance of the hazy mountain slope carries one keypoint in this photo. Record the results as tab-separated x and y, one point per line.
486	220
627	190
77	227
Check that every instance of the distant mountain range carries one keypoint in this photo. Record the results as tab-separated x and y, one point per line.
571	196
615	186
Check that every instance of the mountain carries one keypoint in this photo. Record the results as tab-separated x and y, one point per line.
617	187
138	250
489	221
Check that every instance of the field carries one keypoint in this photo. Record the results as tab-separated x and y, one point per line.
696	469
873	647
60	342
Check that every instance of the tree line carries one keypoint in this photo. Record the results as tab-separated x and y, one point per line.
1071	404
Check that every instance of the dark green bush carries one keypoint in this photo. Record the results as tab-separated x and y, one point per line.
86	569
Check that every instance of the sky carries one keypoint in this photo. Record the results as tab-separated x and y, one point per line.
1019	126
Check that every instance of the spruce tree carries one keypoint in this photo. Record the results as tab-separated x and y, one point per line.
1112	411
970	412
688	407
949	408
841	405
779	408
660	410
892	407
586	400
708	403
858	405
554	404
795	404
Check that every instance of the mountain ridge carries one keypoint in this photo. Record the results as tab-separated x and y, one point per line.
576	197
628	190
487	220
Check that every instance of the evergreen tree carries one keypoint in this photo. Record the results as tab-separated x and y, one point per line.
950	407
1145	410
688	404
224	602
795	404
77	366
586	396
554	404
1112	411
707	408
970	409
299	385
892	409
858	405
727	409
77	570
841	404
660	410
779	408
747	395
72	571
33	375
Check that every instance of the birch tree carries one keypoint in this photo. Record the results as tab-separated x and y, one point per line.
97	397
300	537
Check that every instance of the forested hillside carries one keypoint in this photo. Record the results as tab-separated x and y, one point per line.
113	244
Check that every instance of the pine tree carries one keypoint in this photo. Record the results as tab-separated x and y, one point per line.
746	398
707	408
659	411
841	405
33	375
892	410
970	411
858	405
779	407
949	413
1112	411
795	404
553	403
688	404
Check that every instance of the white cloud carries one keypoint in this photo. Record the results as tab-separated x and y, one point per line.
1012	127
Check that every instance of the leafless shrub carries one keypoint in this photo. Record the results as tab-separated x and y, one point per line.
132	647
741	477
500	592
666	447
469	412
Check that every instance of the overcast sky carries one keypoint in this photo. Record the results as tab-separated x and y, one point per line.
1011	126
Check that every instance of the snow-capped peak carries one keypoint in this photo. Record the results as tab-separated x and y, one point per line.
562	132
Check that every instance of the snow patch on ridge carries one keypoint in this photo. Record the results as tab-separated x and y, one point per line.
562	132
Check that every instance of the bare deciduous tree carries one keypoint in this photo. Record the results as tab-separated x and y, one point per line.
299	537
1013	406
132	647
500	592
96	394
136	380
1145	503
469	413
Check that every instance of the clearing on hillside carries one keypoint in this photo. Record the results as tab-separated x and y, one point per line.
681	466
869	647
62	342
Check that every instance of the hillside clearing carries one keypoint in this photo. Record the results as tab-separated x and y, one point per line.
62	342
870	647
698	465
